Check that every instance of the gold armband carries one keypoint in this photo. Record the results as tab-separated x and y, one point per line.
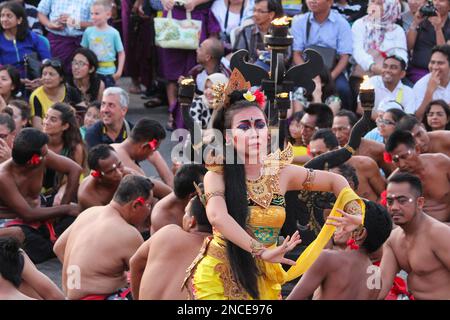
350	149
310	174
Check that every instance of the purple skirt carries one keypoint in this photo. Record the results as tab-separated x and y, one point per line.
174	63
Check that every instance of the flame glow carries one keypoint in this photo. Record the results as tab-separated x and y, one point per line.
187	82
366	84
283	21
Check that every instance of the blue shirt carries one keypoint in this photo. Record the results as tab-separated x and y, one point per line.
12	52
335	32
78	9
105	44
374	135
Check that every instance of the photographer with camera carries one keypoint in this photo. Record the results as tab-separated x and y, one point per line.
431	27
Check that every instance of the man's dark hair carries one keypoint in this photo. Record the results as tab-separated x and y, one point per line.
11	261
407	123
8	121
216	49
399	59
274	6
413	181
146	130
185	178
444	49
322	112
132	187
97	153
28	142
198	211
349	173
378	225
328	137
351	116
399	137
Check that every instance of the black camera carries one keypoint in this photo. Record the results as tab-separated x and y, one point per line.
428	10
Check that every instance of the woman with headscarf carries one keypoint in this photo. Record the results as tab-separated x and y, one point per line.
376	36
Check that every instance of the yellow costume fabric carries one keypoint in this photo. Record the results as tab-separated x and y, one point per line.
313	251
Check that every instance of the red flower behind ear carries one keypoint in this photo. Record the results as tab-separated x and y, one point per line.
260	98
308	151
387	157
153	144
140	200
95	173
383	200
35	160
352	244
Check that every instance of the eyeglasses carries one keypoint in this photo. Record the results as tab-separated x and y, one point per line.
52	63
437	114
385	122
307	126
79	64
402	200
397	157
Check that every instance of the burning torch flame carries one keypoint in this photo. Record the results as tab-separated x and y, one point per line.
187	82
283	21
366	84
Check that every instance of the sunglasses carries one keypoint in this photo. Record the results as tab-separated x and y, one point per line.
51	63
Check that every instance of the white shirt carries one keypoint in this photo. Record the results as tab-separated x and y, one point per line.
421	87
219	9
401	94
394	44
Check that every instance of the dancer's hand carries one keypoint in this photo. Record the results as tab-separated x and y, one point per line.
276	255
346	223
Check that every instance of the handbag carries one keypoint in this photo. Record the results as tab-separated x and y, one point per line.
329	55
32	65
177	34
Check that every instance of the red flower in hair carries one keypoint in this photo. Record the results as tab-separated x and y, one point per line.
260	98
153	144
95	173
35	160
383	199
387	157
140	200
352	244
308	150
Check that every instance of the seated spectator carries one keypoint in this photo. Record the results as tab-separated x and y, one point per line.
32	17
7	135
389	87
85	78
325	28
324	92
91	116
408	16
251	37
202	106
21	113
375	37
437	116
352	10
386	123
61	127
17	40
53	90
436	84
65	21
112	127
231	14
105	41
9	84
423	35
317	116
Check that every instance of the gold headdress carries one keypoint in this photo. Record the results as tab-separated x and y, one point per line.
200	194
221	92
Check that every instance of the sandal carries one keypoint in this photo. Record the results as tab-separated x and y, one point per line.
153	102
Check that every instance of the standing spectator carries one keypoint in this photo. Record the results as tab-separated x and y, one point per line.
16	39
174	62
53	90
330	30
112	127
437	116
85	78
436	84
408	16
375	37
65	21
425	33
105	41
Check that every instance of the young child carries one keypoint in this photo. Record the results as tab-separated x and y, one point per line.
92	116
301	155
105	41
